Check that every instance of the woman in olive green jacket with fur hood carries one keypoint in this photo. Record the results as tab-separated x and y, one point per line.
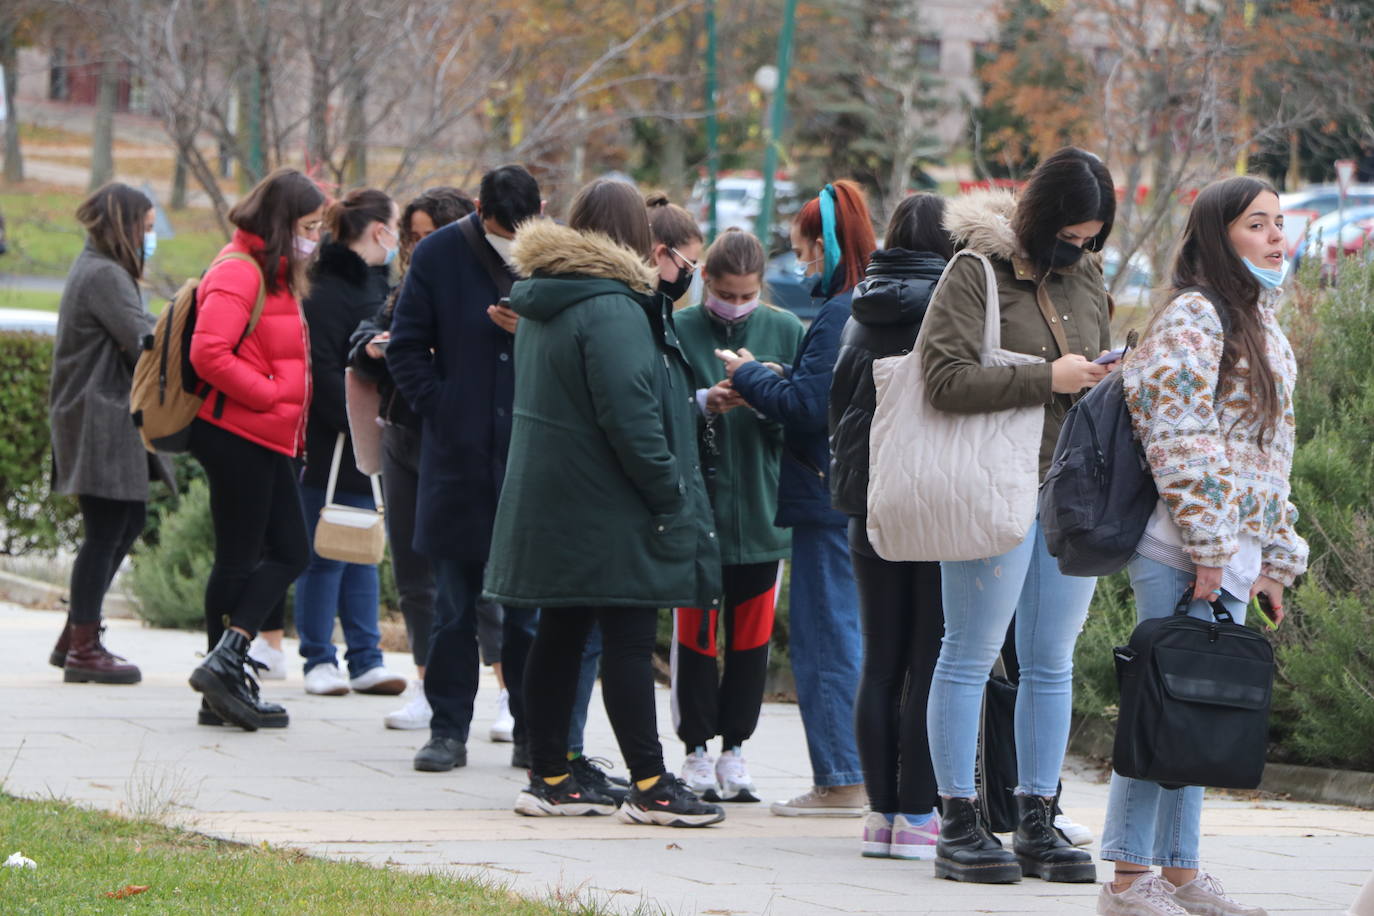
603	515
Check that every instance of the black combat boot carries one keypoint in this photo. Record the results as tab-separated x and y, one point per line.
1042	850
223	680
967	850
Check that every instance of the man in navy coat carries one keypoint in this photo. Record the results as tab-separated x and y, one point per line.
451	357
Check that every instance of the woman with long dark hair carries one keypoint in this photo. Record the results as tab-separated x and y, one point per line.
603	517
250	429
832	238
98	456
1054	307
1210	391
899	603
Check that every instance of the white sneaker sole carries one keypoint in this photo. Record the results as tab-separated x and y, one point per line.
339	691
388	687
529	806
736	794
631	814
404	723
782	810
919	853
872	850
502	735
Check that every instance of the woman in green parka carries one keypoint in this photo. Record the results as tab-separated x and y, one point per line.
603	516
741	452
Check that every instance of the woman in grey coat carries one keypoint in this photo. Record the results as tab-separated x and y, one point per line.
98	456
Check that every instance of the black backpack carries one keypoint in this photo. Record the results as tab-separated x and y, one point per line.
1194	701
1098	496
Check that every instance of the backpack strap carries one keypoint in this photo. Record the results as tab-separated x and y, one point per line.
256	314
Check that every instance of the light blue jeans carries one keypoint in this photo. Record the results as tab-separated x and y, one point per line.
1146	823
826	645
980	597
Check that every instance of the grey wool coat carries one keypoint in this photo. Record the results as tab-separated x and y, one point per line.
101	323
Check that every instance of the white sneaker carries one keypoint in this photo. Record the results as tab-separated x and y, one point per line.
379	681
1204	896
274	659
325	681
1075	833
734	780
503	728
699	772
415	714
1150	895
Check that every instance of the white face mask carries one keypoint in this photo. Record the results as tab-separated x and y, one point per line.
501	244
304	247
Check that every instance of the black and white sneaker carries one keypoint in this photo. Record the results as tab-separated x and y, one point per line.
668	803
569	798
591	773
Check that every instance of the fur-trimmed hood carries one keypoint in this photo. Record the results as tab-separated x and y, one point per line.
981	222
545	248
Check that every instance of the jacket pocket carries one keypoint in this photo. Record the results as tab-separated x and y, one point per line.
670	536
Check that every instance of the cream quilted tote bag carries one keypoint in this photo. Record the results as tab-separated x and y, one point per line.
946	486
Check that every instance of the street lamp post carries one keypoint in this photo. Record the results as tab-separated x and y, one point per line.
712	124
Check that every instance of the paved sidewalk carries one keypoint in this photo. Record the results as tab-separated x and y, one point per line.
336	783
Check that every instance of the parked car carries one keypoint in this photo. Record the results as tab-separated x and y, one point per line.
1302	208
786	290
739	198
1333	229
33	320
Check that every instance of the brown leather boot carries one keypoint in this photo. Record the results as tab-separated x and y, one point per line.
58	657
89	661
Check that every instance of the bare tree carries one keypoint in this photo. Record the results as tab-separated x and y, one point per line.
11	18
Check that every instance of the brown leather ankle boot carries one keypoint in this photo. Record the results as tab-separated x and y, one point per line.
89	661
58	657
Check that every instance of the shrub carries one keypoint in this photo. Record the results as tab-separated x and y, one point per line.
168	580
1111	618
32	518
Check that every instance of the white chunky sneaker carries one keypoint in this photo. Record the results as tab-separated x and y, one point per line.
1150	895
274	659
1075	833
503	728
415	714
379	681
1203	896
699	772
325	681
733	778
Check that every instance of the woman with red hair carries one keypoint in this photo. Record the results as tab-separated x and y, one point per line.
833	239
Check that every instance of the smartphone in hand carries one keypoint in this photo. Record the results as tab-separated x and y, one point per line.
1111	356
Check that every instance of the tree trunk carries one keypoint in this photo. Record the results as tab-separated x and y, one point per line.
178	199
9	60
672	171
102	137
355	127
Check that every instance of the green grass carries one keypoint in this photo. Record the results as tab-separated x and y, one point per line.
44	237
11	298
82	855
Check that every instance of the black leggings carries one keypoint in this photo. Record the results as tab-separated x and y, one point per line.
903	623
261	544
110	527
627	685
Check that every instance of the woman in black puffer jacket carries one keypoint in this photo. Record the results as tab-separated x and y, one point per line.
899	602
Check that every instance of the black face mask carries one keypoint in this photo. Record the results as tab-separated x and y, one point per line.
676	289
1061	254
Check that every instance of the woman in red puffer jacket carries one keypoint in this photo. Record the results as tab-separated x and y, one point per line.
250	430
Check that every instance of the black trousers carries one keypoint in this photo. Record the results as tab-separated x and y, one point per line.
261	544
627	685
706	702
903	623
109	529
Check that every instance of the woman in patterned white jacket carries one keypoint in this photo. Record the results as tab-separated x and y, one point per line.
1210	391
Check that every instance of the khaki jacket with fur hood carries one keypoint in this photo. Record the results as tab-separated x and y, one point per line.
1050	316
603	502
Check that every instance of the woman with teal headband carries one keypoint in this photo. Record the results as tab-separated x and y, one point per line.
833	239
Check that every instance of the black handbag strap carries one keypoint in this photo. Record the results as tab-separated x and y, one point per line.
496	268
1219	612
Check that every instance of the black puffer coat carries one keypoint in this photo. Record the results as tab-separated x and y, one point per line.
886	316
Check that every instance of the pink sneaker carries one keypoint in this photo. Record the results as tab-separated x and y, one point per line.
877	842
913	841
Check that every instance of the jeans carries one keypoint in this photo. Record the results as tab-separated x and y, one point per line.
980	597
826	645
261	545
555	665
1146	823
109	528
414	575
331	587
451	672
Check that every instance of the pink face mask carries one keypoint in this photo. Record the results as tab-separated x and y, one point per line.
726	311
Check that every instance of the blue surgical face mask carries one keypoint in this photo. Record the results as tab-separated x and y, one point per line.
149	243
1268	277
390	255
